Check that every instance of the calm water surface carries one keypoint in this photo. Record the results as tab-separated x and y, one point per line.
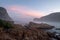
56	24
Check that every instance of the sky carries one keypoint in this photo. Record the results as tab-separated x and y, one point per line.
29	9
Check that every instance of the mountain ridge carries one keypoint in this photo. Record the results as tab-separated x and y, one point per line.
53	17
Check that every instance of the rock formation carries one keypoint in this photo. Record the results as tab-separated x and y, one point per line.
4	15
40	26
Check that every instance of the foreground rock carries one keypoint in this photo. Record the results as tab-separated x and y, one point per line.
17	33
54	35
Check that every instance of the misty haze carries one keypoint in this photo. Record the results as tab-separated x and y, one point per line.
29	19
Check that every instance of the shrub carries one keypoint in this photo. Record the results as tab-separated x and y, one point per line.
5	24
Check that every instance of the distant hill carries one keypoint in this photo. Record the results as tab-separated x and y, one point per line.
53	17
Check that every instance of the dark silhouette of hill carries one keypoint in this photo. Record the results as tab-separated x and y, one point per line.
4	15
53	17
5	20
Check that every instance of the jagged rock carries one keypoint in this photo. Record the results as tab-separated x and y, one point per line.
40	26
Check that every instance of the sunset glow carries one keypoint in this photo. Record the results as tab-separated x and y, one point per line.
26	11
30	9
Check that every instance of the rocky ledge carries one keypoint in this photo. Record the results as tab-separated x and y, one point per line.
40	26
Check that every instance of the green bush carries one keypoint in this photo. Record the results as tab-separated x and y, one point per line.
5	24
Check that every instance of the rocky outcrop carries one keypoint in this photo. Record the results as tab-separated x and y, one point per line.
40	26
5	21
4	15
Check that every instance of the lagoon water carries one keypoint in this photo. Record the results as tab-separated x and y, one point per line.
56	24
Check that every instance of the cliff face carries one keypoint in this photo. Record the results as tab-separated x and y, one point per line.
4	15
53	17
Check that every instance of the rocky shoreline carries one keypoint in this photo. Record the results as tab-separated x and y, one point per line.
18	33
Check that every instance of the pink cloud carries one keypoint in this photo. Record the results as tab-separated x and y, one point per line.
26	11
